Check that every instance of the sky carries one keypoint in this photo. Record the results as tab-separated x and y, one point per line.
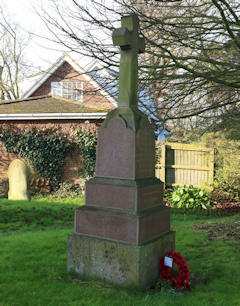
41	52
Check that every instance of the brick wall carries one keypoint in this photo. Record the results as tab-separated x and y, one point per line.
72	161
5	160
61	126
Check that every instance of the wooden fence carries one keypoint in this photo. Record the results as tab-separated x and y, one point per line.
184	164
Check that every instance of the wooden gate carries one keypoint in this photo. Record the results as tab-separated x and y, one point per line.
185	164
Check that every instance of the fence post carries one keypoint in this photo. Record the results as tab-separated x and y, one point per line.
162	162
211	165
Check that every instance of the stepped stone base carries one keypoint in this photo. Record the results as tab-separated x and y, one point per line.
122	226
125	194
115	262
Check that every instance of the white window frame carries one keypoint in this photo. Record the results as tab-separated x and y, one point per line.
68	90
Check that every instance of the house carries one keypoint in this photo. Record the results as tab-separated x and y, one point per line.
67	79
63	98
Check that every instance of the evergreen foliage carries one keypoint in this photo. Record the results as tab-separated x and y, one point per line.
227	165
46	153
87	146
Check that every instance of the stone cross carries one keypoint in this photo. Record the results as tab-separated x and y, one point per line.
127	37
123	229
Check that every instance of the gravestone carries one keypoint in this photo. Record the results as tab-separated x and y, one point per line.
18	177
123	229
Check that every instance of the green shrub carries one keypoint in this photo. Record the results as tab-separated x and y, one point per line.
68	190
4	187
188	197
46	153
65	190
87	145
226	184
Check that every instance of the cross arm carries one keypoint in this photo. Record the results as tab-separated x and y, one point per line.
122	37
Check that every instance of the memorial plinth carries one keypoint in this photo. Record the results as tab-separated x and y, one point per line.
123	229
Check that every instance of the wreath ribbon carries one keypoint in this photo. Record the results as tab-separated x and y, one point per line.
183	278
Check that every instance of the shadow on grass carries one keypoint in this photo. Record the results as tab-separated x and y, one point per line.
36	214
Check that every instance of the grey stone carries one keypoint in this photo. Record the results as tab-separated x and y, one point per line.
115	262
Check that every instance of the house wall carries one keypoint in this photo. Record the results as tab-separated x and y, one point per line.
72	161
66	73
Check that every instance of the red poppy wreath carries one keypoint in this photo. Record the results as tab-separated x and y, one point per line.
183	277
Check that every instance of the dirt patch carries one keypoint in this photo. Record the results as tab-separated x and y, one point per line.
228	207
221	230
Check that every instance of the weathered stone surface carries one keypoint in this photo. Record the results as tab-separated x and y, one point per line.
115	262
126	151
18	175
115	148
127	37
120	226
123	230
132	195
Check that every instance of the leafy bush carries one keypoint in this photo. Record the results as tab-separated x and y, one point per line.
68	190
226	184
87	145
188	197
4	186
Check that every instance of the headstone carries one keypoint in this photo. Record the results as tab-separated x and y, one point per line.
123	229
18	176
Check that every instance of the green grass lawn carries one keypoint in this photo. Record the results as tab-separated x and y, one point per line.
33	258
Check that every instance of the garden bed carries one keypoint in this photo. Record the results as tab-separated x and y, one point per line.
223	208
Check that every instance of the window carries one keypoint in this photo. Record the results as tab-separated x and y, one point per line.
68	90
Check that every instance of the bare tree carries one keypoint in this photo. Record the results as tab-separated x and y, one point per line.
13	67
191	64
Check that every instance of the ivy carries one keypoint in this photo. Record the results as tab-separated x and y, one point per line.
46	153
87	144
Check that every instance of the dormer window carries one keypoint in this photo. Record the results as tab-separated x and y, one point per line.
68	90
